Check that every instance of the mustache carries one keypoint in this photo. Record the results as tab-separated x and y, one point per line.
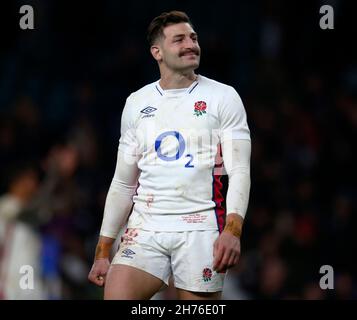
195	51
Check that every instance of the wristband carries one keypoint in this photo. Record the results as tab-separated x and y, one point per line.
102	251
234	226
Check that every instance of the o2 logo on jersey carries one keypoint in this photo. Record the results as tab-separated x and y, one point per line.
180	151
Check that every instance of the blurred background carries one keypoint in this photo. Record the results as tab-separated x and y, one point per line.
63	86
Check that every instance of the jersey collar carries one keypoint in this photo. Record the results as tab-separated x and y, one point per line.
176	92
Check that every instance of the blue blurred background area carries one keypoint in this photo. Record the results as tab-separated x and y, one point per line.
63	86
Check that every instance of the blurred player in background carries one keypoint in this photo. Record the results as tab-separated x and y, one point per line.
165	191
20	243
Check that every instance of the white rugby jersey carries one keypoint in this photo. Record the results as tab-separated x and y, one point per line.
176	135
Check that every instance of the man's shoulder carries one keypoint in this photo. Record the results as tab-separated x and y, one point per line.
215	85
141	93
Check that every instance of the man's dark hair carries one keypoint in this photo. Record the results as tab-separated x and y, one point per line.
158	24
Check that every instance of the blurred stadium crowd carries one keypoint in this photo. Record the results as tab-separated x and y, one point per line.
62	90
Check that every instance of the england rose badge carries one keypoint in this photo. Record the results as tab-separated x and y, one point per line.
200	108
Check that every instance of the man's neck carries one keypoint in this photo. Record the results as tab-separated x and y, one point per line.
176	80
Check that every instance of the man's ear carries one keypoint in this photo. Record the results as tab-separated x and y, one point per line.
156	52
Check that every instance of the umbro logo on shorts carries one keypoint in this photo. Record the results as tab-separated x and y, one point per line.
147	111
127	253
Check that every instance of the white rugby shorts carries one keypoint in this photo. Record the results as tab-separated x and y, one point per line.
186	255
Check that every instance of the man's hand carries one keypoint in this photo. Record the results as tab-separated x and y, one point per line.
226	249
99	271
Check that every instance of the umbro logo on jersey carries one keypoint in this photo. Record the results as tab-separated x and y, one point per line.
147	111
127	253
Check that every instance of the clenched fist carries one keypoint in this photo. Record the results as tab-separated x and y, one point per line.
99	271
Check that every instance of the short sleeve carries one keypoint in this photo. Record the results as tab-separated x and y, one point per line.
233	118
128	141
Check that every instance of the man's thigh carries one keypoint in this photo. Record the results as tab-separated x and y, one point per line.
129	283
140	268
